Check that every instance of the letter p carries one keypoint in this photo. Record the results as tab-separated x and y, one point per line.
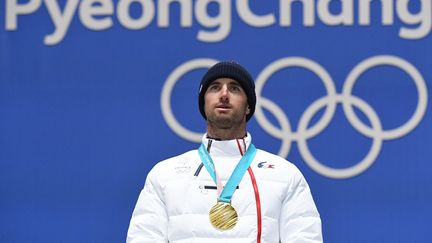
13	9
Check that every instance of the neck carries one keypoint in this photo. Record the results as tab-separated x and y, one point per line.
226	134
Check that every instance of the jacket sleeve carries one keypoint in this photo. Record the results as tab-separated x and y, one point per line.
149	218
300	221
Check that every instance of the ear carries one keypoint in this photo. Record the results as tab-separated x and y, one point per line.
247	110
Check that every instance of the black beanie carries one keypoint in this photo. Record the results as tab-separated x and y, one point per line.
233	70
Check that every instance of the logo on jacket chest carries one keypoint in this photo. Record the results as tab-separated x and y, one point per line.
182	167
266	165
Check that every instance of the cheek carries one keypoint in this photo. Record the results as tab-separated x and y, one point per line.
206	105
240	101
209	100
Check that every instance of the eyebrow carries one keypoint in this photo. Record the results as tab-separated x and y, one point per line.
232	82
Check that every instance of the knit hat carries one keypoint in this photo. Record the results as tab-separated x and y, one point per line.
233	70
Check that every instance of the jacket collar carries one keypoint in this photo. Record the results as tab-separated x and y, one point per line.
227	148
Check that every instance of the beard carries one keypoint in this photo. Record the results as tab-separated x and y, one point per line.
226	121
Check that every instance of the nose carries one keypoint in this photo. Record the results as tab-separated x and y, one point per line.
224	95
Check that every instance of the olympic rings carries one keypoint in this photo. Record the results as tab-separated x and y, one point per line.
330	101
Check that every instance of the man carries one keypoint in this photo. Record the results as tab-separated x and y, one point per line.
227	190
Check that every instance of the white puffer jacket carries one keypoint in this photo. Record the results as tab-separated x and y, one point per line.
178	194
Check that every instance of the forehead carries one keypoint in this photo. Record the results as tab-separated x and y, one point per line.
225	81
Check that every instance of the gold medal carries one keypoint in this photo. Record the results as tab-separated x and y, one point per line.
223	216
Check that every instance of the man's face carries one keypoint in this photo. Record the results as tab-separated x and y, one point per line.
225	103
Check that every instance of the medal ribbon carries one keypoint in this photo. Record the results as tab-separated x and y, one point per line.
235	177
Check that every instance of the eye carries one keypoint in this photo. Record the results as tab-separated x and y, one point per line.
235	88
213	87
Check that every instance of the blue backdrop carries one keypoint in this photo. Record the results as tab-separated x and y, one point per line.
93	93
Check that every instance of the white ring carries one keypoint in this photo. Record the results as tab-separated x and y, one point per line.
294	62
166	97
405	66
345	172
